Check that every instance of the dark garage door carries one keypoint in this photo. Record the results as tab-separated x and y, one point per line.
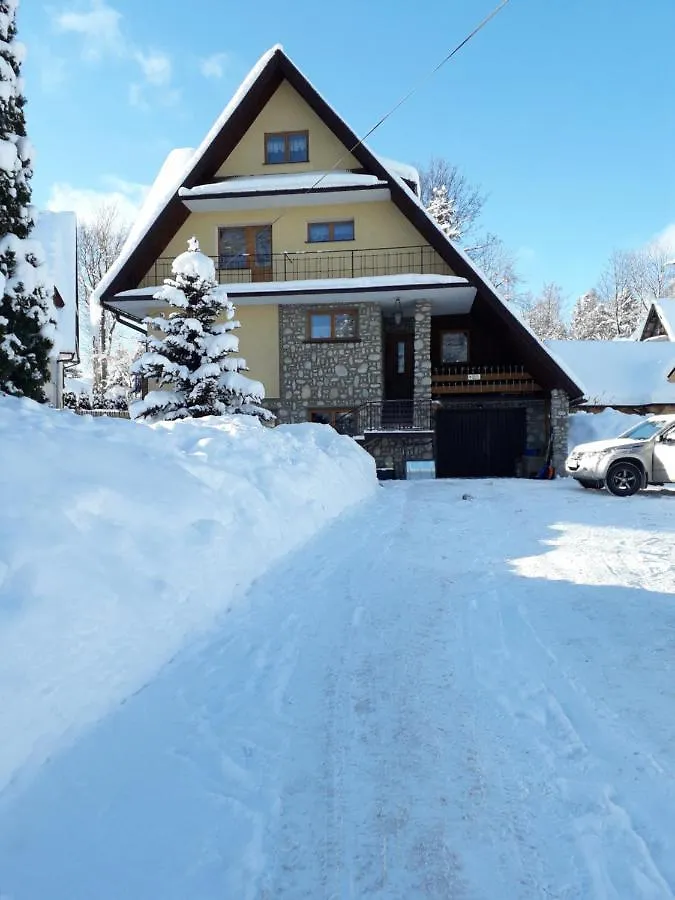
471	443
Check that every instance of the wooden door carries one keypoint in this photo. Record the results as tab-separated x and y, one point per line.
398	366
245	251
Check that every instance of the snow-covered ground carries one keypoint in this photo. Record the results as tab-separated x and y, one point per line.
120	542
436	697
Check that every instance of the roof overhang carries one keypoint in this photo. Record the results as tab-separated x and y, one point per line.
220	201
447	294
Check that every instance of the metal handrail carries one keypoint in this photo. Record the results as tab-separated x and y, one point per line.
300	265
385	416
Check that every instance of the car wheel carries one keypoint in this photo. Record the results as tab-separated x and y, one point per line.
591	485
624	479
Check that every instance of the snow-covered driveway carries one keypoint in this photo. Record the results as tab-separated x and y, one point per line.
436	698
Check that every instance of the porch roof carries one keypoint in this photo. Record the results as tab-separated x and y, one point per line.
448	294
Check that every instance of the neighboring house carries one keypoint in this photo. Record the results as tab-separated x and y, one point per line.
659	323
356	310
57	232
630	376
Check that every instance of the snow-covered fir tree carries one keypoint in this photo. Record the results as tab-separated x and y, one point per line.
25	326
190	350
544	314
591	320
442	208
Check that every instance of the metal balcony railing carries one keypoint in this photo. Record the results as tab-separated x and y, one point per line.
308	265
384	416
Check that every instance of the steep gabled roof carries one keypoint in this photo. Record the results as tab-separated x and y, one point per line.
237	117
659	321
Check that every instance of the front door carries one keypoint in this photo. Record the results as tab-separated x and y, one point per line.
664	458
243	250
398	366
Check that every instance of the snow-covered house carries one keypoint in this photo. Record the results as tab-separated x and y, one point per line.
629	376
659	323
57	232
356	308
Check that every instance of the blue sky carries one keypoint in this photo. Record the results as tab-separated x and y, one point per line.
562	110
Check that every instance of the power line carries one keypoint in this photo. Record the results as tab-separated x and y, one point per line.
418	86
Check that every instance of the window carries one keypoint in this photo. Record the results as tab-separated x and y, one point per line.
319	232
287	147
340	419
400	357
454	347
335	325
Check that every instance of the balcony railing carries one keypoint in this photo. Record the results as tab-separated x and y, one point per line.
386	416
467	379
304	265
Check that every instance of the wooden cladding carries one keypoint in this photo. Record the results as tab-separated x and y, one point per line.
483	380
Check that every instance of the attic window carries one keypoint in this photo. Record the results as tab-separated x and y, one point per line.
286	147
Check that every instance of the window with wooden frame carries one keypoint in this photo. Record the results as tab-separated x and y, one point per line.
332	325
454	347
341	418
286	147
321	232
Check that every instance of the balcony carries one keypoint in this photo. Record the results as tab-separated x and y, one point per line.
467	379
305	265
386	417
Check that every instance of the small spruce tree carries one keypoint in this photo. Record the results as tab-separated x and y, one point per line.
189	351
25	324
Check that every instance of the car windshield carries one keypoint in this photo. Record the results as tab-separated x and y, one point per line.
643	431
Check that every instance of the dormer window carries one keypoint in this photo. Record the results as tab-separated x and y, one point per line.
286	147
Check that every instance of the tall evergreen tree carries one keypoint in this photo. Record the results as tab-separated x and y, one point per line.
189	350
25	325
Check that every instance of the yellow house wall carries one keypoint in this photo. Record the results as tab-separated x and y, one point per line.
258	343
376	225
286	111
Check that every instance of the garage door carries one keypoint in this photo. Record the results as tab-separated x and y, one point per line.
473	443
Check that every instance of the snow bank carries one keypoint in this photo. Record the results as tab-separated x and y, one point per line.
586	427
120	542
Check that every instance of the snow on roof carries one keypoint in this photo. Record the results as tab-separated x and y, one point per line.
619	373
57	233
173	174
403	170
665	307
302	181
322	285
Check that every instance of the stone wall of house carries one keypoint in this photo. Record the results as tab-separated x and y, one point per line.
392	450
339	375
560	420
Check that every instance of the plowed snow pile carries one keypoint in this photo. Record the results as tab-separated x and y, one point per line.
119	542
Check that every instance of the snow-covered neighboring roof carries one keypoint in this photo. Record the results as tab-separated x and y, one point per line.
666	310
403	170
57	233
619	373
301	182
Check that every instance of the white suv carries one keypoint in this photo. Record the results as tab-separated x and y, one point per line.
643	455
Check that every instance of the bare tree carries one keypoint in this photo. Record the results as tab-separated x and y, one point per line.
466	199
99	244
617	293
494	258
544	313
653	275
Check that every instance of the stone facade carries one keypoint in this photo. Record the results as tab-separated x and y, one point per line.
560	420
422	359
333	375
392	451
